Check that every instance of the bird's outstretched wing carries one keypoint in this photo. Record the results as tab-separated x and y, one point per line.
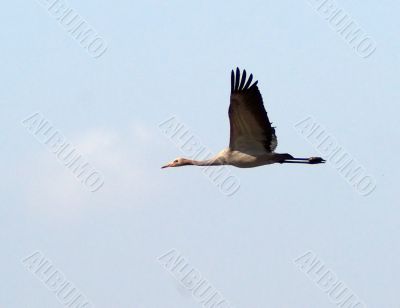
251	132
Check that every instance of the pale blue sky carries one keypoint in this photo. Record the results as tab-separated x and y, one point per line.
174	58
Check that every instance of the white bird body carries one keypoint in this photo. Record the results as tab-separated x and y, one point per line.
243	160
252	137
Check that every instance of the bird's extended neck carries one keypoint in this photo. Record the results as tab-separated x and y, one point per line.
207	162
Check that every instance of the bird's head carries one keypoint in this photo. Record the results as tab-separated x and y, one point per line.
178	162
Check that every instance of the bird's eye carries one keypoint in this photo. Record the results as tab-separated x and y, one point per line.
175	161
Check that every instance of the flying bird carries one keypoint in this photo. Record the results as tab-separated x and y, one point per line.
252	136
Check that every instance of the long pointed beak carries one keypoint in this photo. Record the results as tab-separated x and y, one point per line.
166	166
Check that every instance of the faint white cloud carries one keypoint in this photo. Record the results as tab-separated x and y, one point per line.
119	155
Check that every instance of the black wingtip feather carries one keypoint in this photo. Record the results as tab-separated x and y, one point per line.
248	82
254	85
242	81
237	79
232	81
238	82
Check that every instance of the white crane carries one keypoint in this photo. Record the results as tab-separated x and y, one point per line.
252	138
